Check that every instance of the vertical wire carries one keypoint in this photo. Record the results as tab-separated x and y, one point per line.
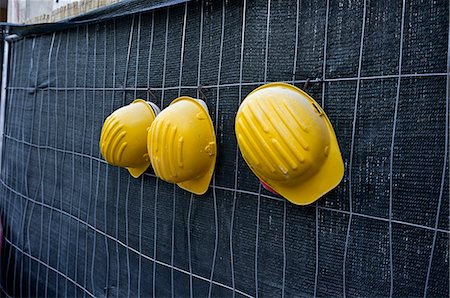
94	243
118	171
157	180
127	193
446	148
294	71
163	85
73	157
216	221
22	225
324	67
106	187
391	158
191	199
63	161
191	290
55	167
125	80
27	231
156	184
257	239
90	160
258	210
42	180
294	67
14	115
237	152
55	190
42	174
155	221
140	236
355	111
142	177
183	39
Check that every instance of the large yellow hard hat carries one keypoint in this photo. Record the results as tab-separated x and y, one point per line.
289	143
182	145
123	141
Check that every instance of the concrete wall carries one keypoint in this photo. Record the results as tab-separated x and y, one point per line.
43	11
21	10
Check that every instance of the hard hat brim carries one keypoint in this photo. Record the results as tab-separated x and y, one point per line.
200	185
136	172
153	109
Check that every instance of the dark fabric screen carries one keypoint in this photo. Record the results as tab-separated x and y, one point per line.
75	226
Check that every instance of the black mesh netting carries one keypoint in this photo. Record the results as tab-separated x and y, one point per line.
75	226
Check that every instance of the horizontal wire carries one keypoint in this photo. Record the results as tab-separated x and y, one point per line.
315	80
338	210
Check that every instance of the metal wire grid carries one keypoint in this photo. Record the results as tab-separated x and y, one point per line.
26	198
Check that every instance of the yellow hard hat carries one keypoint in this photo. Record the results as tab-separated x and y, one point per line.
124	135
182	145
289	143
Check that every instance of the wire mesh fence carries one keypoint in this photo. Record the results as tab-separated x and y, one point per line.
75	226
